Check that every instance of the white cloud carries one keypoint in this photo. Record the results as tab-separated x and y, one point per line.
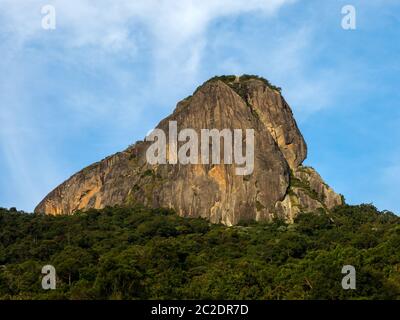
92	36
171	22
172	32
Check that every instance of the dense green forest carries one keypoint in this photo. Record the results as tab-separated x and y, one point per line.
139	253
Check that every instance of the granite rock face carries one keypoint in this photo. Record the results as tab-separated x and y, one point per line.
279	185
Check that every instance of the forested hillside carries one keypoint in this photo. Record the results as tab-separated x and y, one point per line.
139	253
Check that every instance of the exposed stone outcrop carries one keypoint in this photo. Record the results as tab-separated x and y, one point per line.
307	192
278	186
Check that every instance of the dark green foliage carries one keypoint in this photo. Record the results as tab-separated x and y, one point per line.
238	86
139	253
297	183
267	83
230	79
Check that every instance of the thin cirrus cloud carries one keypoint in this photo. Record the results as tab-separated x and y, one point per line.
101	23
58	90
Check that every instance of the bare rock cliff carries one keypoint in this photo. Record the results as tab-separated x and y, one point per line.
279	185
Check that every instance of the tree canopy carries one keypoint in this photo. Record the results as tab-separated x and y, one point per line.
141	253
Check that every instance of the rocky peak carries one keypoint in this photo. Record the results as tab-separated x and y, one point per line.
267	103
278	186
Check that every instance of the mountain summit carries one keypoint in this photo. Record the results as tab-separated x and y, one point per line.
278	185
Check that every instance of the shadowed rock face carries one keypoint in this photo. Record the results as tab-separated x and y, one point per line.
278	186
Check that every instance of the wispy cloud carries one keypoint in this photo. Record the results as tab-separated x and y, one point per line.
66	86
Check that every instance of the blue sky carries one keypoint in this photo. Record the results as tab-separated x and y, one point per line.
112	69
